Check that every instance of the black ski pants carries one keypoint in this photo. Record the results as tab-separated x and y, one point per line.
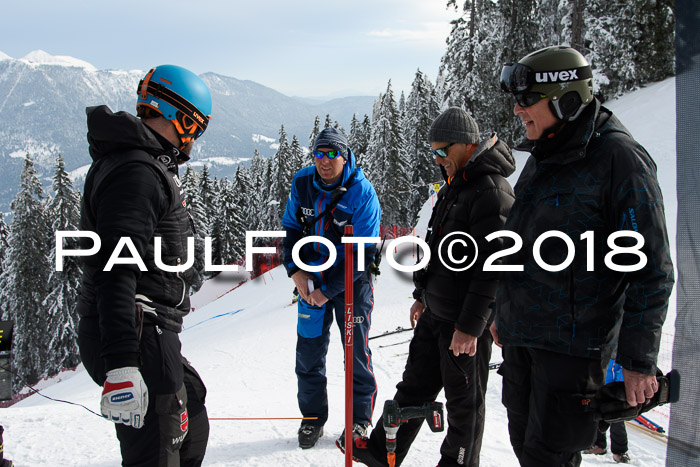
430	367
535	382
618	436
176	425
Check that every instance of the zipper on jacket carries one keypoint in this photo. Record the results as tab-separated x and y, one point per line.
572	301
184	285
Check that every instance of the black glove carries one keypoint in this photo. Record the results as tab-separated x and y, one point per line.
611	401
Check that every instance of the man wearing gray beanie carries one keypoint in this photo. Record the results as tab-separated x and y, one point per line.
451	345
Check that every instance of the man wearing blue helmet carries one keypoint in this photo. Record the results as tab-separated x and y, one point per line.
131	314
324	197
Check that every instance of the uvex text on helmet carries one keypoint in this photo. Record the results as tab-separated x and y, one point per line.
560	73
178	95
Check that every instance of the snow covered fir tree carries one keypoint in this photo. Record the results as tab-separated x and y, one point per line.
628	44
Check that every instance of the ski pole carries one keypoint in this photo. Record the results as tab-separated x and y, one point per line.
348	347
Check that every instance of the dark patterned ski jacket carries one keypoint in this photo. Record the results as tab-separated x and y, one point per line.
476	201
592	177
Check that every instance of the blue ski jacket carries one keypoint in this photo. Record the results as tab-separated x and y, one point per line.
358	207
614	372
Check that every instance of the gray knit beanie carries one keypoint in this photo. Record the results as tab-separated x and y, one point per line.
454	125
334	139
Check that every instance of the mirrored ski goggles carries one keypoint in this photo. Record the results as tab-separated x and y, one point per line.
442	152
332	154
516	78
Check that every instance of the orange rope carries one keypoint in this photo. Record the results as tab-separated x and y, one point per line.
266	418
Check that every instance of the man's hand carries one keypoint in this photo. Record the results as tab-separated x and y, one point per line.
417	310
463	343
125	397
494	333
316	298
301	282
639	387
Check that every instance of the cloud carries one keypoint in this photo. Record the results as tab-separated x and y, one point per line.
432	32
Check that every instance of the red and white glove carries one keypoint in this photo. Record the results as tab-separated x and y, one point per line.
125	397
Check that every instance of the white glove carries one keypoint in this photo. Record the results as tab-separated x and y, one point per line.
125	397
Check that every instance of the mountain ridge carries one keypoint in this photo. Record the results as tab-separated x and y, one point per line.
42	113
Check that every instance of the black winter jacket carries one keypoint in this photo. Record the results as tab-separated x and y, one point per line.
475	201
591	177
132	190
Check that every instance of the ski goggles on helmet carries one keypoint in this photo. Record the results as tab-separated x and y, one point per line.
188	120
442	152
332	154
516	78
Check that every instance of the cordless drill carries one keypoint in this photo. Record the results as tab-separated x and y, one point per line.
394	416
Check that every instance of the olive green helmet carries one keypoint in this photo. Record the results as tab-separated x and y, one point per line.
560	73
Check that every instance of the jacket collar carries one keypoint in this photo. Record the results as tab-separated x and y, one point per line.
569	143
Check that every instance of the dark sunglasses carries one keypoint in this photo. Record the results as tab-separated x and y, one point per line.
332	154
526	99
442	152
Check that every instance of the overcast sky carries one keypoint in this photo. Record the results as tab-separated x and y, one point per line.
298	47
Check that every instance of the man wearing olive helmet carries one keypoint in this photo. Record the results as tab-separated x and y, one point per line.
589	179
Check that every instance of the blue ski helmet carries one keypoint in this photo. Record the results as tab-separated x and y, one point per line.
178	95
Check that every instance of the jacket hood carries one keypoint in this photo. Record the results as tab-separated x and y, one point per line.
492	156
110	132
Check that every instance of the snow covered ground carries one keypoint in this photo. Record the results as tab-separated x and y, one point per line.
243	344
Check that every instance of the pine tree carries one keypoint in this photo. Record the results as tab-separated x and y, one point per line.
359	138
314	133
260	192
228	243
298	159
206	196
236	214
27	273
487	35
63	210
281	170
195	207
4	248
421	110
389	170
628	43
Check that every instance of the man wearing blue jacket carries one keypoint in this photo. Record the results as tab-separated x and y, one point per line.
323	199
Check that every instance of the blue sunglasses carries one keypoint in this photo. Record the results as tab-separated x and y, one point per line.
442	152
332	154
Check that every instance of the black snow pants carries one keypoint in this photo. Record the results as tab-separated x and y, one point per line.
534	383
176	425
618	436
430	367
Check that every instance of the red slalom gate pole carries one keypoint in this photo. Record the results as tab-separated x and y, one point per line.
348	346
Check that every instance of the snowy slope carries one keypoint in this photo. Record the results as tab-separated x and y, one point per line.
243	345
